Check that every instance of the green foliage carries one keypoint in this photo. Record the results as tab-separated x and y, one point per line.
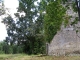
75	21
64	1
77	31
34	46
53	19
66	23
74	7
8	49
17	49
67	7
1	48
66	20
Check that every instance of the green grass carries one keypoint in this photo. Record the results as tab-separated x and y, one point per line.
36	57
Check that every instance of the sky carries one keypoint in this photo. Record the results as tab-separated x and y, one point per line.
11	5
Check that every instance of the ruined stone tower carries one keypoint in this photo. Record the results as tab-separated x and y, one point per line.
67	40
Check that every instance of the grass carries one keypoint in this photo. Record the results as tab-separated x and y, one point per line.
36	57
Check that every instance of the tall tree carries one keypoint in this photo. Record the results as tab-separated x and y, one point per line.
23	30
53	19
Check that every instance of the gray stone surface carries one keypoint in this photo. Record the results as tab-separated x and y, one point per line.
64	42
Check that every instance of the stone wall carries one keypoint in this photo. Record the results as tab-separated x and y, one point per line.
67	40
64	42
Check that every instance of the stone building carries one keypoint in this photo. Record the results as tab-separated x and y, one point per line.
67	40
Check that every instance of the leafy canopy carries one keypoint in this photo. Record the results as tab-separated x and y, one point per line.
53	19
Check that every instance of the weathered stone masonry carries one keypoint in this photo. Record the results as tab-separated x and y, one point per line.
67	40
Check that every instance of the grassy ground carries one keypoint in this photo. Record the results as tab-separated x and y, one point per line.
36	57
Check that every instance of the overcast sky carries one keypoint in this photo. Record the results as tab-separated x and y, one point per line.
11	5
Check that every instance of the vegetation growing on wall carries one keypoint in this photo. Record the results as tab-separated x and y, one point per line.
53	19
75	21
74	7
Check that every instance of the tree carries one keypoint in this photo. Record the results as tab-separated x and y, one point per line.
10	26
53	19
23	31
1	47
